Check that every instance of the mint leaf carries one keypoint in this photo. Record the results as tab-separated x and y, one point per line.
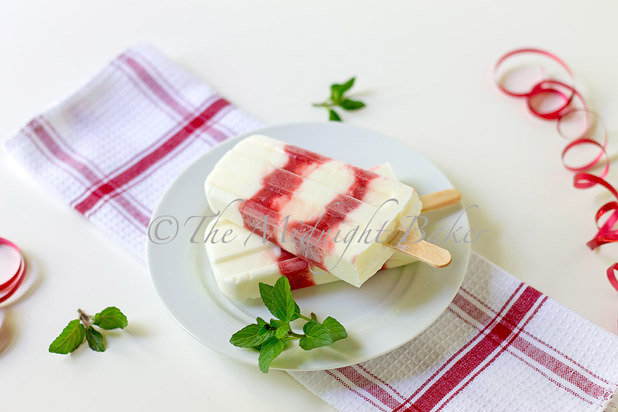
281	331
283	302
266	293
111	318
269	351
348	85
333	116
337	90
95	340
276	323
69	339
335	329
348	104
316	336
251	336
336	93
265	332
296	312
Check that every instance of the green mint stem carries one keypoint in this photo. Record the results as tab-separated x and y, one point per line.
327	104
300	315
295	335
86	319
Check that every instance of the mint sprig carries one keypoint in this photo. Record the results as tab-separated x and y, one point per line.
338	99
271	338
82	329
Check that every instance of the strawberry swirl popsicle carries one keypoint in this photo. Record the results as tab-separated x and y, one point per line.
244	260
325	211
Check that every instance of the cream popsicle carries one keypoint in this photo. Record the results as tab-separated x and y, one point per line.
311	206
240	264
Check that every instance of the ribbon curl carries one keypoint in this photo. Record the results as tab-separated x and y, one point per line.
8	288
567	94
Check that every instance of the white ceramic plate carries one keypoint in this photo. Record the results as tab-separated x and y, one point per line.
389	310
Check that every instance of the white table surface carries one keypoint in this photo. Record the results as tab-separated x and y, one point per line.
424	69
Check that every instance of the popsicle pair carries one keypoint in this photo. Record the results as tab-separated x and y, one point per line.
326	212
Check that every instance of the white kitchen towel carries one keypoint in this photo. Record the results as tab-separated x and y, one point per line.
112	148
500	346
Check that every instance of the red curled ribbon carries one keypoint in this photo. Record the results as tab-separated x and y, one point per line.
8	288
567	94
606	233
512	53
539	90
611	275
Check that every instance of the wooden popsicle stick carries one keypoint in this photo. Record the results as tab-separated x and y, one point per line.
439	200
422	250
